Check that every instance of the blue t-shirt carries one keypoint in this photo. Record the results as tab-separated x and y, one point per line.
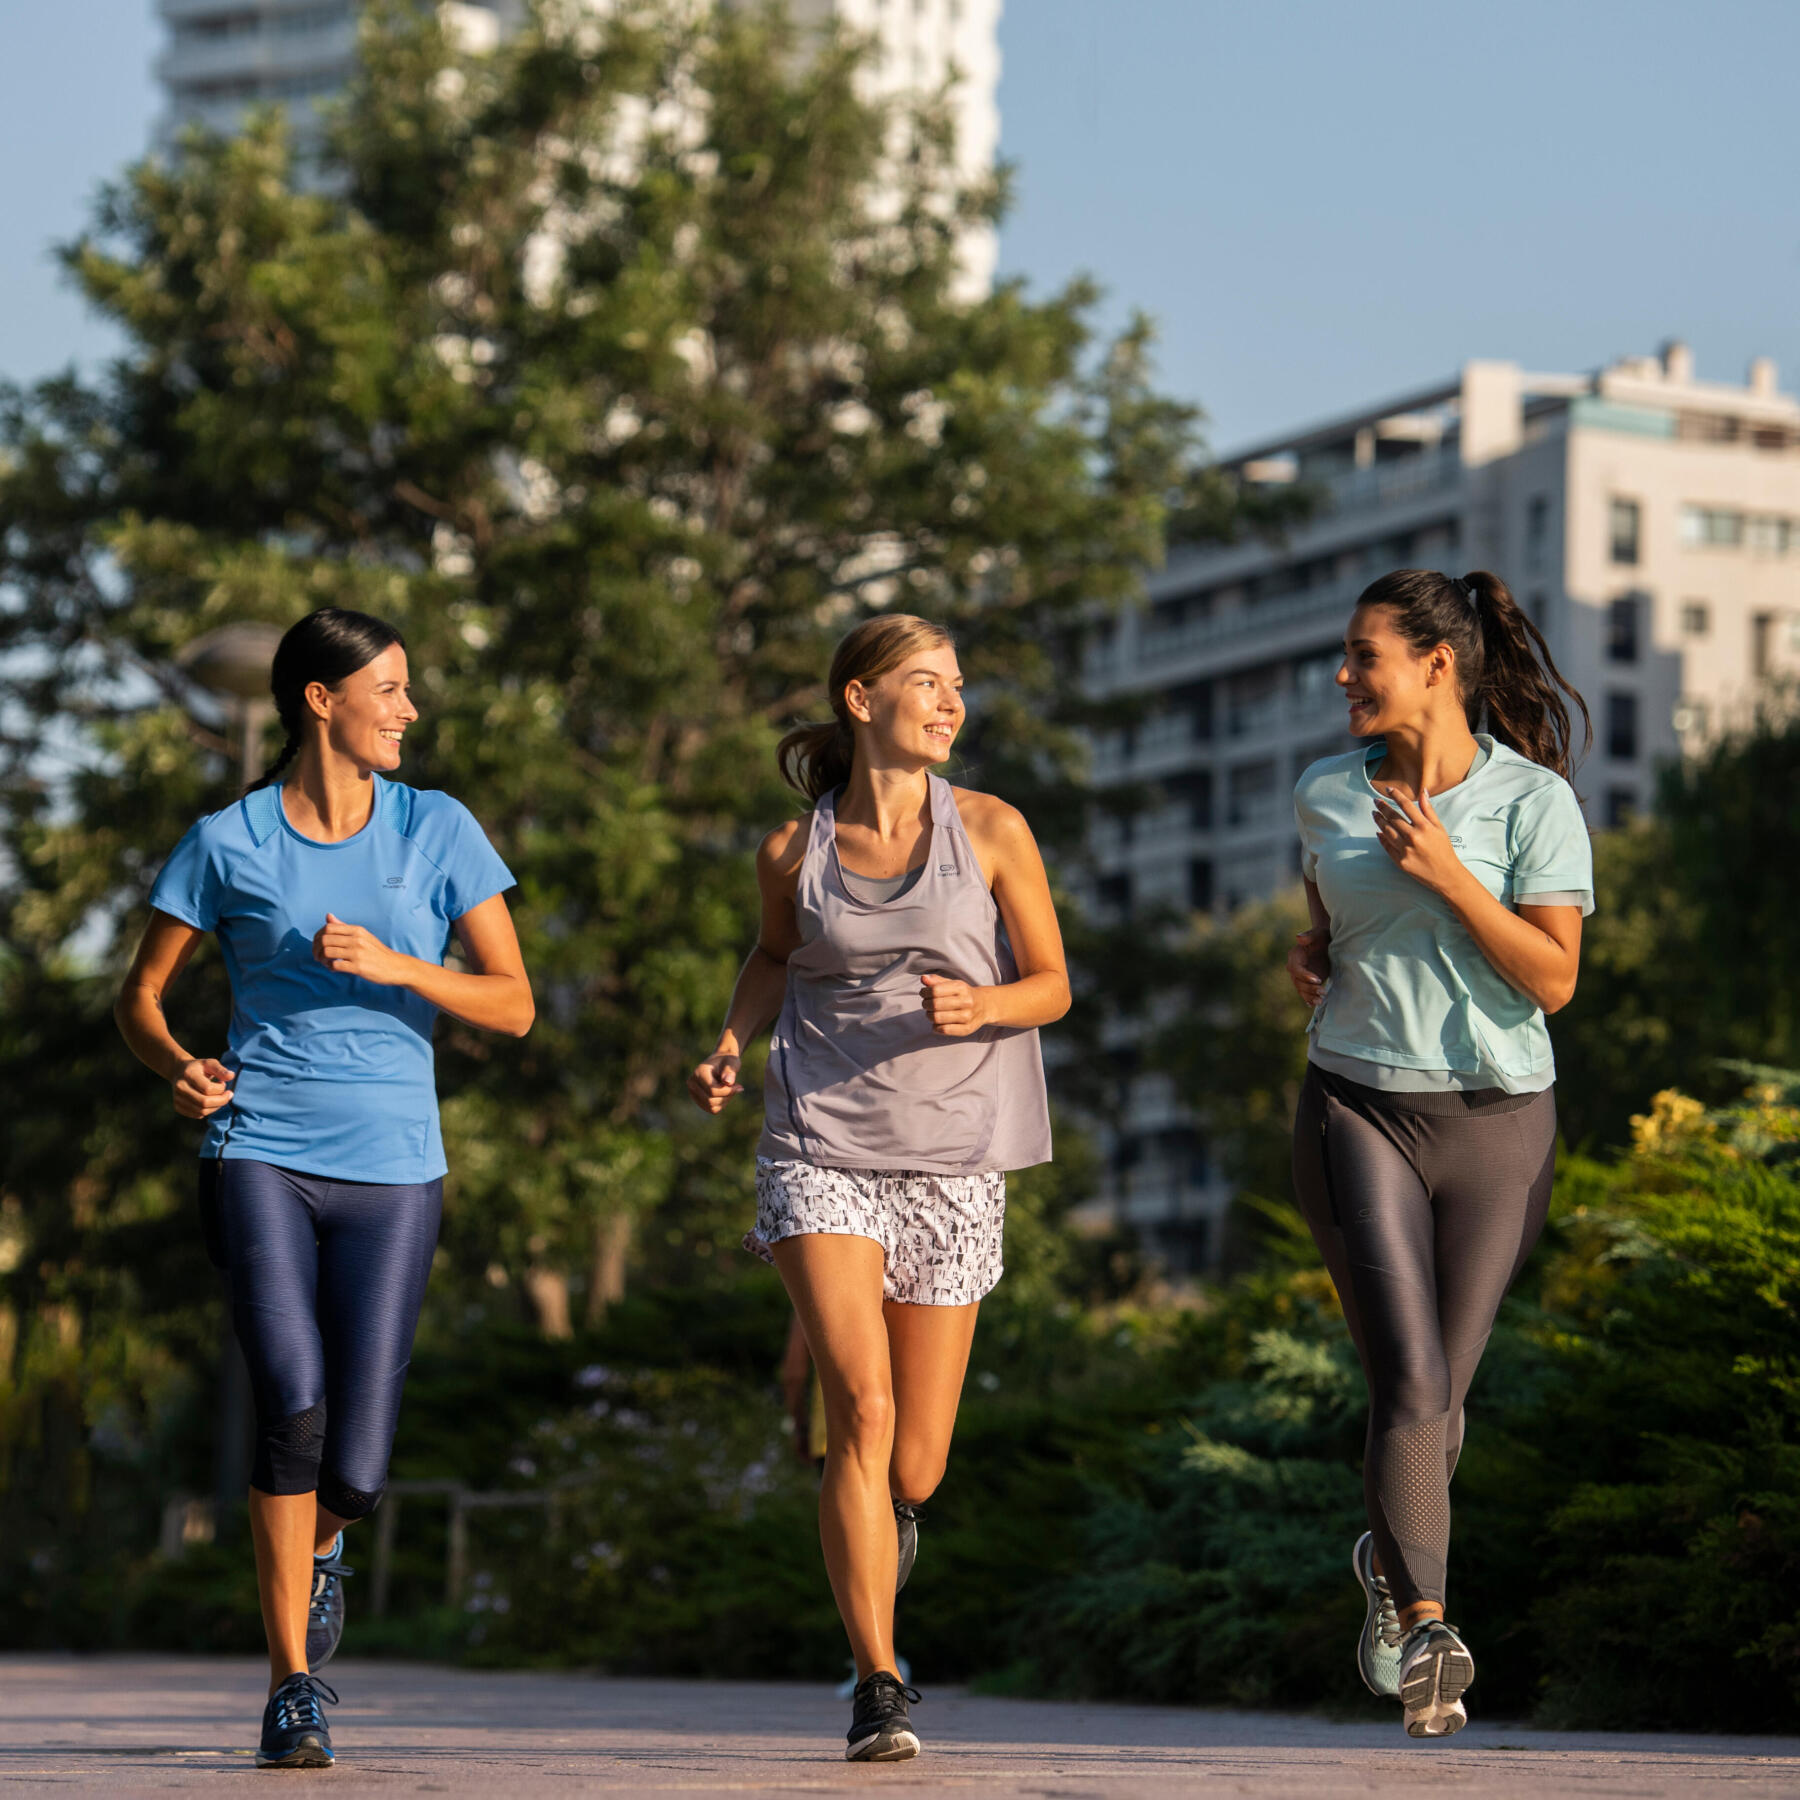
334	1073
1410	991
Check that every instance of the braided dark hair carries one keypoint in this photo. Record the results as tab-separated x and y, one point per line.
1505	671
329	645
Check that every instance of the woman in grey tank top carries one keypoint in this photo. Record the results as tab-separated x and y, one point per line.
909	951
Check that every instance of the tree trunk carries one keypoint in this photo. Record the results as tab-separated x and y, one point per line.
548	1290
606	1280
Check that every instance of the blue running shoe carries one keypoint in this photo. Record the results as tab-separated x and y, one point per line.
1435	1669
325	1614
1378	1649
294	1732
906	1518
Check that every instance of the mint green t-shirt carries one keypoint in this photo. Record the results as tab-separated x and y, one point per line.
1412	1002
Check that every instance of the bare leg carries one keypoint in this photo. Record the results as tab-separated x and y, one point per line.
928	1350
325	1532
284	1527
835	1283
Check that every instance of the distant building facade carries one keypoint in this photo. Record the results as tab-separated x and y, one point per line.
226	56
1649	522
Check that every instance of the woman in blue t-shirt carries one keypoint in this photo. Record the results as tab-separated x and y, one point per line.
333	893
1447	871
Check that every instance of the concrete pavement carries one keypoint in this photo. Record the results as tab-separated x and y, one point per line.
128	1725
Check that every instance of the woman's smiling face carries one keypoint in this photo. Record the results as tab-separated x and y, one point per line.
917	708
1387	683
366	714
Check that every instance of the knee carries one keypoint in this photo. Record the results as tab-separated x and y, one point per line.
288	1451
865	1421
913	1476
1417	1388
337	1496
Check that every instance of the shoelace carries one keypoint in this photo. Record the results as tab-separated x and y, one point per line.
322	1580
880	1693
297	1702
1388	1617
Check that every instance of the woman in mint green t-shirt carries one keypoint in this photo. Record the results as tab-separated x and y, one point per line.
1448	871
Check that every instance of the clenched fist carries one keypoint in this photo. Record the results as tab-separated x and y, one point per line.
202	1087
352	950
714	1081
954	1008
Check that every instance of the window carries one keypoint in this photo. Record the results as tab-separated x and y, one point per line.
1696	618
1537	530
1200	884
1315	680
1114	895
1622	727
1621	806
1183	1244
1192	788
1627	517
1772	537
1711	527
1250	794
1622	629
1539	605
1689	715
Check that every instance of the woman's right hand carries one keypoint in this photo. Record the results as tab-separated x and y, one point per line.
1309	965
202	1087
714	1081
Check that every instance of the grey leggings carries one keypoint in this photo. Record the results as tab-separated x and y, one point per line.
1425	1207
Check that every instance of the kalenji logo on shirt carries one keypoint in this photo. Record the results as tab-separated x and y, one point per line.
396	881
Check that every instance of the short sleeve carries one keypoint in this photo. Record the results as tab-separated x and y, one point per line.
191	883
1309	837
1553	856
473	871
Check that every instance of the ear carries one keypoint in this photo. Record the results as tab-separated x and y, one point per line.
856	702
317	697
1442	667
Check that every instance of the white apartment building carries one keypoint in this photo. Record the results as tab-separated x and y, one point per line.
1650	522
225	56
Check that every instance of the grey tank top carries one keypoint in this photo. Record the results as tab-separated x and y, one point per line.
857	1078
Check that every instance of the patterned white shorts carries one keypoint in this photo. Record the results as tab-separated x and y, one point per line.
940	1235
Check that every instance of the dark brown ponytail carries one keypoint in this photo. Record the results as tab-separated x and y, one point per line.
816	759
1509	681
329	645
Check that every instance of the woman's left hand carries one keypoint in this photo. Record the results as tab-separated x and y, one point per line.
1413	835
352	950
954	1008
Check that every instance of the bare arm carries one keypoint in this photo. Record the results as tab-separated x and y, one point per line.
202	1084
1537	949
761	988
494	993
1309	962
1021	890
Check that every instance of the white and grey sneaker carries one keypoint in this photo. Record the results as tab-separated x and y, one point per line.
906	1521
1435	1670
1378	1649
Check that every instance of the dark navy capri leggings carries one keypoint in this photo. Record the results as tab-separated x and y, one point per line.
325	1280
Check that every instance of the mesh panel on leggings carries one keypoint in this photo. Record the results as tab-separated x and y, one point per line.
288	1451
1409	1501
346	1502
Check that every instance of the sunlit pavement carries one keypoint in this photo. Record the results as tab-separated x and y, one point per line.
124	1725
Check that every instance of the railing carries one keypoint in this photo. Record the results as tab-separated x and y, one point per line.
1245	621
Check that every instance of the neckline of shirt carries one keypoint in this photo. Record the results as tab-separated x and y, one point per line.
1484	760
313	843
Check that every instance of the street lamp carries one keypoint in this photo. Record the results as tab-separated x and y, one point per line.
231	663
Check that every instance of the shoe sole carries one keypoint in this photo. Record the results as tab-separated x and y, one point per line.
308	1756
895	1746
1432	1693
1372	1602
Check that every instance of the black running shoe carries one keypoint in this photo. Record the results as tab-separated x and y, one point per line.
880	1728
294	1732
325	1614
906	1517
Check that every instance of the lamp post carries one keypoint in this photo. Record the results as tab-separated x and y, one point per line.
231	663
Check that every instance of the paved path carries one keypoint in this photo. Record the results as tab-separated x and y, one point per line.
121	1726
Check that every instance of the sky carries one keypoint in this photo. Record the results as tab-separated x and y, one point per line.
1320	203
